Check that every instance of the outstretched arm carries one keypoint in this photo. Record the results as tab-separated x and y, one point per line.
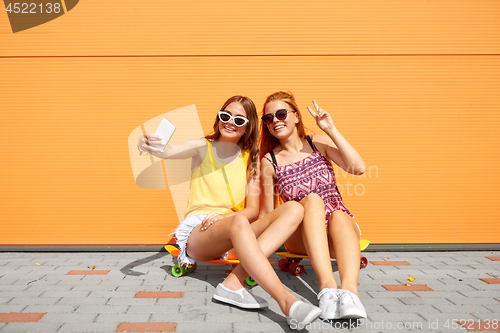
341	151
188	149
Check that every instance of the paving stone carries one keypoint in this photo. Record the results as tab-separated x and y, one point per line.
33	301
110	294
102	309
131	301
260	327
5	300
83	301
35	287
87	327
390	294
150	309
10	287
438	294
54	317
412	309
31	327
122	317
472	309
466	301
50	308
178	317
187	327
424	301
12	308
60	294
445	320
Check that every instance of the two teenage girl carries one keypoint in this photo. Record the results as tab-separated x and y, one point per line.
216	222
225	167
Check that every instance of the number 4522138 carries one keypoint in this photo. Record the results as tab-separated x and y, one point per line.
33	8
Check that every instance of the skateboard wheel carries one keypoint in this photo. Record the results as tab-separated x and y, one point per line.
192	268
283	265
178	271
296	269
251	282
364	263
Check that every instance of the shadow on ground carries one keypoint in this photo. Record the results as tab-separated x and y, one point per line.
214	274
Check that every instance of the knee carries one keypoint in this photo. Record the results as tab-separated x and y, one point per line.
313	200
239	224
295	210
338	219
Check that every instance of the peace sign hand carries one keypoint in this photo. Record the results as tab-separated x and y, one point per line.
323	119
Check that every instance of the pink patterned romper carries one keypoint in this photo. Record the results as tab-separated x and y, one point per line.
313	174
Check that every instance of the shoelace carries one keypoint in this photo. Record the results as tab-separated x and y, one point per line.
350	298
331	293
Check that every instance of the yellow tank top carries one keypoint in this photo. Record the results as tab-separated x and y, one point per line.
217	187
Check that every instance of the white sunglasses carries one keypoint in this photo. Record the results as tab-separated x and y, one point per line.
237	120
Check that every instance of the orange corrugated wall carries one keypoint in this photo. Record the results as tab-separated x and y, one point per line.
414	86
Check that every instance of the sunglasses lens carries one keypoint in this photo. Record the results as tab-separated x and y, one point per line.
268	118
224	117
239	121
281	114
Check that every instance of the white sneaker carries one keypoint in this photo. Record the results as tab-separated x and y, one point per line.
329	303
302	314
241	298
350	306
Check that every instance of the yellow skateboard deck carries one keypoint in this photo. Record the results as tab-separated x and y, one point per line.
291	264
173	250
180	270
363	244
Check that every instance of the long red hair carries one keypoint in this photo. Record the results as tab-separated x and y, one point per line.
251	137
267	141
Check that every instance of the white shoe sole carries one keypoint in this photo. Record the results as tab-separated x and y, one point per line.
307	320
238	304
353	315
330	317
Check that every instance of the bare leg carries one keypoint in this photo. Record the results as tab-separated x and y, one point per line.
272	231
311	239
345	237
236	232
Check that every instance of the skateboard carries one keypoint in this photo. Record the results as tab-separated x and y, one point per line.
291	261
180	270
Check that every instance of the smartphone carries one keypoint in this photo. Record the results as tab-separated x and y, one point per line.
166	129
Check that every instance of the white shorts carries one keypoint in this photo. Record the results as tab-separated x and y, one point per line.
182	233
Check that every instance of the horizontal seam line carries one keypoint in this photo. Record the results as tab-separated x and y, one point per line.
254	55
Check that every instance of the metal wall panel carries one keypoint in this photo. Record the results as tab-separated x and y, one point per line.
414	87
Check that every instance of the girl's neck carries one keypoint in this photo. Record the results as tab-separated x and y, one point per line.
226	148
293	143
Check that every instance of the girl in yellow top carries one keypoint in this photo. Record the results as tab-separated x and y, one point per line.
224	197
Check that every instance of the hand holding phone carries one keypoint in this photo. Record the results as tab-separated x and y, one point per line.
165	130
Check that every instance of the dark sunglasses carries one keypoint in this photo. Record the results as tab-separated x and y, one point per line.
237	120
280	115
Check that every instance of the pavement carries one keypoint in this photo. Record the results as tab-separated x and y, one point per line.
136	292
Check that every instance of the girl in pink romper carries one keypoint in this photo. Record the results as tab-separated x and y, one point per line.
298	169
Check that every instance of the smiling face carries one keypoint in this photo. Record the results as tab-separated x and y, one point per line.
229	131
281	128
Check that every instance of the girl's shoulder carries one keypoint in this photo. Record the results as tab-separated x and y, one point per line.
320	138
322	142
